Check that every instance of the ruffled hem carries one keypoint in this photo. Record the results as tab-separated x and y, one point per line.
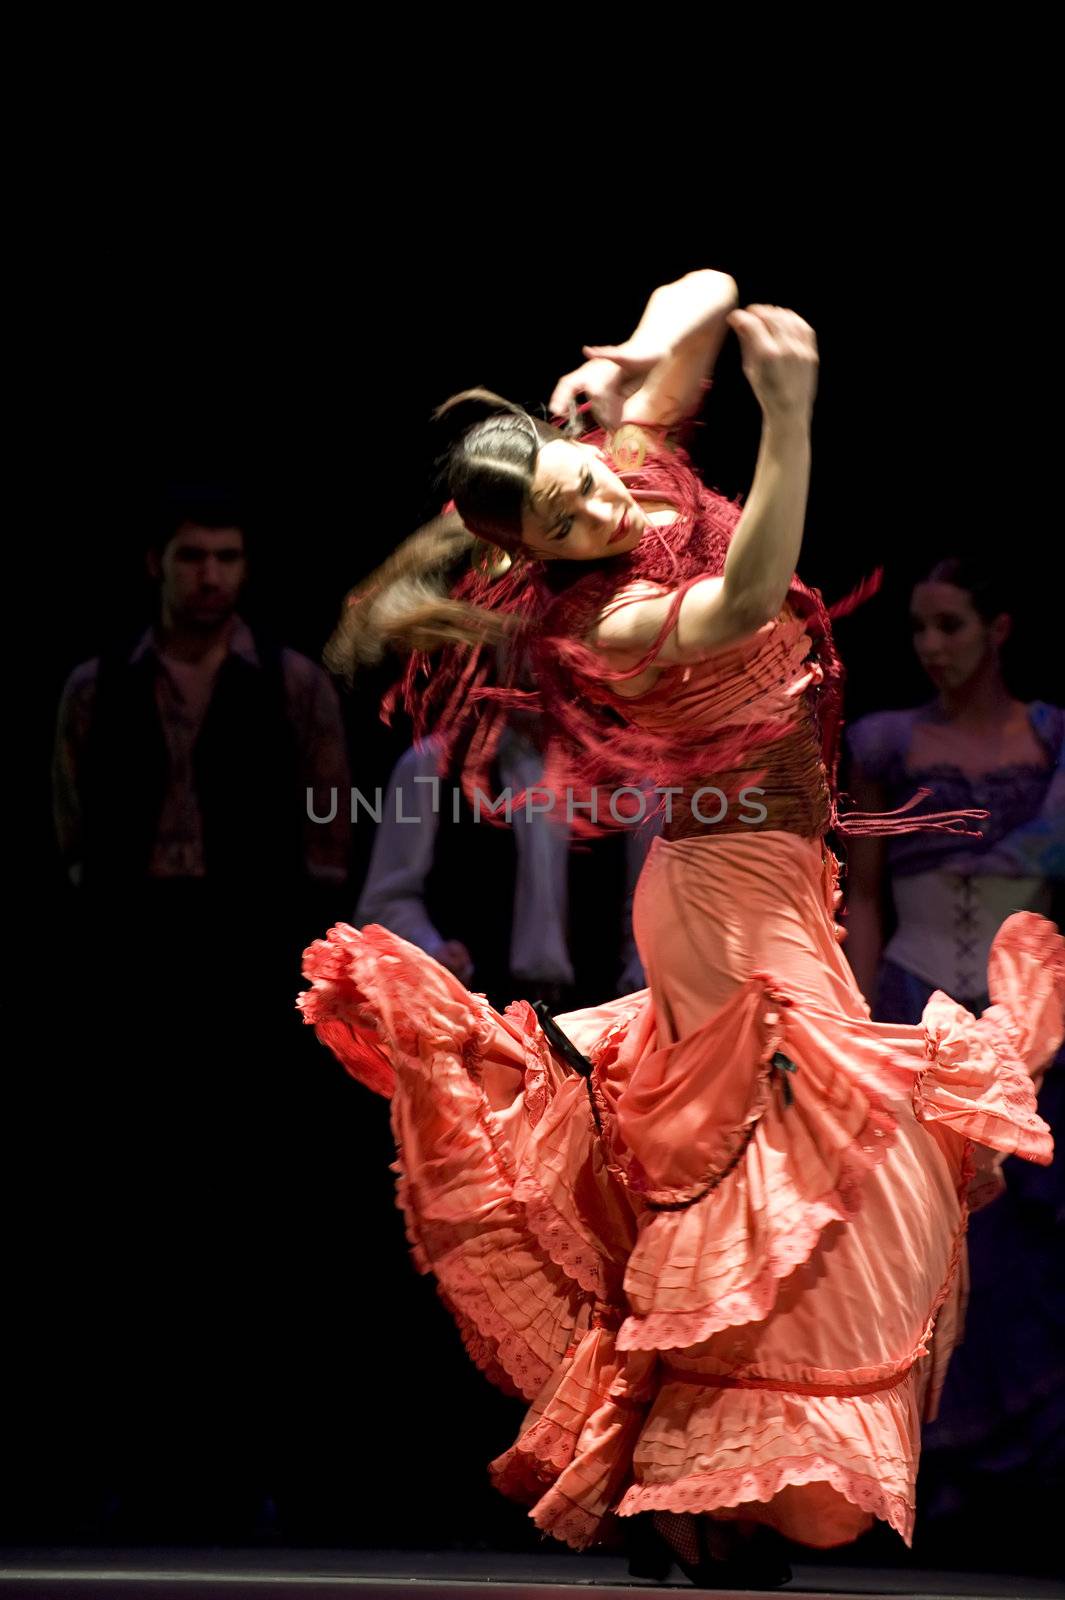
713	1490
558	1237
482	1351
984	1072
708	1449
367	1007
567	1521
573	1456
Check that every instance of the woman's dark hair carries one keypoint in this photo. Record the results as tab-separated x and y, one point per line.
489	461
984	586
486	464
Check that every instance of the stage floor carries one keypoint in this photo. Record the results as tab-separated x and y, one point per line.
129	1574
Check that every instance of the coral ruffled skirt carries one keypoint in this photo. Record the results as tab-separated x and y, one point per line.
728	1270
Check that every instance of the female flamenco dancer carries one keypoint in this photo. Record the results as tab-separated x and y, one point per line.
711	1231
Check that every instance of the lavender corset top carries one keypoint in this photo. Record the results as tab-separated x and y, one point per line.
1024	835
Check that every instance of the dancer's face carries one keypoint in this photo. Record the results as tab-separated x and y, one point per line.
580	510
953	641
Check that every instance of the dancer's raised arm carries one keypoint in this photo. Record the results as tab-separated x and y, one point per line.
780	361
656	376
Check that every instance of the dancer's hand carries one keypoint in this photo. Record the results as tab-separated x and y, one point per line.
666	361
779	353
457	959
607	379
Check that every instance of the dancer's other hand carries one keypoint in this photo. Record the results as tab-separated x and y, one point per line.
665	361
779	352
607	379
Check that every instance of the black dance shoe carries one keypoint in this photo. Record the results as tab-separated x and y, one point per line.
649	1554
757	1562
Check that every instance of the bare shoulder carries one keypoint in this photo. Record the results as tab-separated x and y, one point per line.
607	636
635	614
627	627
611	629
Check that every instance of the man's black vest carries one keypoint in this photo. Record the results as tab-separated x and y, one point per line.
245	766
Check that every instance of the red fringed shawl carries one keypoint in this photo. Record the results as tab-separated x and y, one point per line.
468	696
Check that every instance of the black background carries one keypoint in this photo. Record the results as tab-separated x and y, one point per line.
280	303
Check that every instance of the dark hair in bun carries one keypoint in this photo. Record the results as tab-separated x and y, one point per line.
489	461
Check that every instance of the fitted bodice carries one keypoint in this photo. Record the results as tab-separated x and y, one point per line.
767	678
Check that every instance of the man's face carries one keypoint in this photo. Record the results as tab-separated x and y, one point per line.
202	571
